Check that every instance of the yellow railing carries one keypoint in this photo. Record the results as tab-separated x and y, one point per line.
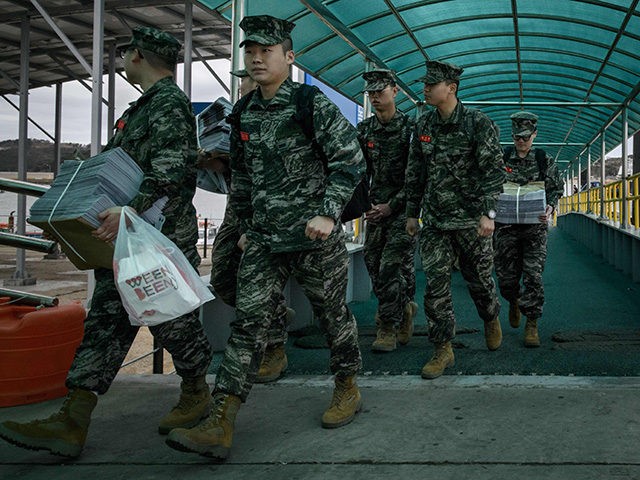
589	201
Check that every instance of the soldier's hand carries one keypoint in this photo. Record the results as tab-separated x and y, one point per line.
319	227
378	212
214	161
412	226
242	243
110	218
486	226
544	218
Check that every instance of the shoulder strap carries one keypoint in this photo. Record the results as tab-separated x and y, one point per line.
541	160
507	152
233	118
303	98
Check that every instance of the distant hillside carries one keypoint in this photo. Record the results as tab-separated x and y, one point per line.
40	157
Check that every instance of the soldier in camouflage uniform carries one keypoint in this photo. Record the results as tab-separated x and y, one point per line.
158	132
388	248
246	82
455	174
289	203
521	249
225	260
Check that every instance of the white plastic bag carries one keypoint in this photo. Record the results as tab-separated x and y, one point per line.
155	280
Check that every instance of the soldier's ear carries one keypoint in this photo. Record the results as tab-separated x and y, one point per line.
290	57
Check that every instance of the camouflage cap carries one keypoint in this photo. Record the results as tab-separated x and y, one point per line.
266	30
439	71
376	80
154	41
524	123
240	73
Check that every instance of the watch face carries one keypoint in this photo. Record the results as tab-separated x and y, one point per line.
491	214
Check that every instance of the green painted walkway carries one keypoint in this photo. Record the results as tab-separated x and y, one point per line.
590	326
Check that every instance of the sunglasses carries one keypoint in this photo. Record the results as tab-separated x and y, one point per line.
524	138
374	93
123	51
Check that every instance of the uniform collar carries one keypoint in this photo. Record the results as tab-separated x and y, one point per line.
395	123
282	96
153	90
455	118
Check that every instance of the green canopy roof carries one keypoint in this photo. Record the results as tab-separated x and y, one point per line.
517	54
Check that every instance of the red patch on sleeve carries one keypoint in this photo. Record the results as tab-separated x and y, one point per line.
244	136
425	138
120	125
509	169
370	145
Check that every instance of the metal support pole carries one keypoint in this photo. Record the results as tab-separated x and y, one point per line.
188	46
111	93
237	14
96	77
57	129
603	152
589	179
579	173
20	276
55	252
624	211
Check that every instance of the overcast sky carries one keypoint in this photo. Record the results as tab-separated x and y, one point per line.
76	104
76	107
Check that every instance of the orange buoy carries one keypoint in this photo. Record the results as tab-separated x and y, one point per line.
37	346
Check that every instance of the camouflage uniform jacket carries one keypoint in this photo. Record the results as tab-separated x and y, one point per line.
455	169
386	149
159	132
525	170
278	180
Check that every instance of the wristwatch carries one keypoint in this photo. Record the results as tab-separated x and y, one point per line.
491	214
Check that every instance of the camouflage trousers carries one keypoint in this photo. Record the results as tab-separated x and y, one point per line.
108	336
520	254
322	274
439	249
389	256
225	261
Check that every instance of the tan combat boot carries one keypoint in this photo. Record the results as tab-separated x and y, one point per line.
346	402
493	333
193	406
405	329
63	433
213	437
514	314
385	340
442	358
274	363
531	338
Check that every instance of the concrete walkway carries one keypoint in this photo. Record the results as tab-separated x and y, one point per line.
454	427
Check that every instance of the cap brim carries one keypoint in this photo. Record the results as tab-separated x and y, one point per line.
259	40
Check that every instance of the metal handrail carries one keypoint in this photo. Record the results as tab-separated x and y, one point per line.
606	202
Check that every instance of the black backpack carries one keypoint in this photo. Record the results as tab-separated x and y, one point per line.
541	160
303	97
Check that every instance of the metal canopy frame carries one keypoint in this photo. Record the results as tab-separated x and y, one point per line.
52	61
573	62
49	42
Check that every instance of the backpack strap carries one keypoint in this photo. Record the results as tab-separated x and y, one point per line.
506	154
303	98
541	160
233	118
